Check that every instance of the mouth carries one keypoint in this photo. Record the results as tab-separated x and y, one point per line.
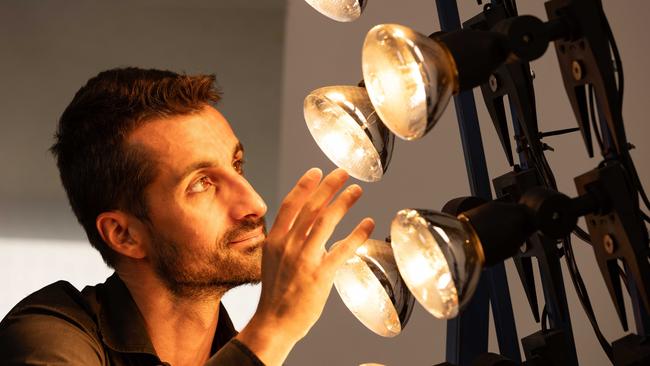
249	238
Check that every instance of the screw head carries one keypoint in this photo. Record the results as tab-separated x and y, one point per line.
577	70
609	244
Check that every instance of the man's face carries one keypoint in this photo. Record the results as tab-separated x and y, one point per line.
206	221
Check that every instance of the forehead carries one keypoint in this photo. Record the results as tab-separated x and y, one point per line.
180	141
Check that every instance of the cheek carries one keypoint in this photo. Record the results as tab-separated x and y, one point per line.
195	222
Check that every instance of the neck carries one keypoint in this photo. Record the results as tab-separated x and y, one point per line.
181	328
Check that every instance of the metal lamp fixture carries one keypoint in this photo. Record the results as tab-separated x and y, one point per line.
441	256
339	10
440	259
409	77
372	288
345	126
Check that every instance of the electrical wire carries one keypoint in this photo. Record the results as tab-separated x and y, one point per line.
583	297
545	171
592	118
574	271
582	235
627	159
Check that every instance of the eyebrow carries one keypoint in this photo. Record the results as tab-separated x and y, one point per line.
207	163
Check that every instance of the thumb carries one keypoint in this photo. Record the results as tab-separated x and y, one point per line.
344	249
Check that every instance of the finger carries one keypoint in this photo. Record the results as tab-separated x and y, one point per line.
295	200
319	199
346	247
330	217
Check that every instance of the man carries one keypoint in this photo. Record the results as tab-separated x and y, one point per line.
154	175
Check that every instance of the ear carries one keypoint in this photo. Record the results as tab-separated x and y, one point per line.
122	232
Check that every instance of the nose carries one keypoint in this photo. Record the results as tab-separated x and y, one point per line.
246	202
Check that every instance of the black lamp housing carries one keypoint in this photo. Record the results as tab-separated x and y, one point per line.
503	227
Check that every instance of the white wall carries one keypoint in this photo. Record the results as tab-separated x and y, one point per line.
426	173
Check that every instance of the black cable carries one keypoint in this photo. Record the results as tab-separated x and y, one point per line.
617	57
582	235
574	271
621	86
637	182
592	118
512	5
581	291
623	275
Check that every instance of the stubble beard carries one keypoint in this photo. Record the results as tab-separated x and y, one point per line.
211	272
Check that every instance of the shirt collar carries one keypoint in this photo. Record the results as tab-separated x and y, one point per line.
122	325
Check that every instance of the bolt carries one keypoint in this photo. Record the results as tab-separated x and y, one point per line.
609	244
532	74
576	69
494	82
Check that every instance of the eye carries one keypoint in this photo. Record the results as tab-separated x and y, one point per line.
239	165
200	185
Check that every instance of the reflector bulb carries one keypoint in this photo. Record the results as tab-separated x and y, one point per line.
409	77
346	128
366	298
439	257
339	10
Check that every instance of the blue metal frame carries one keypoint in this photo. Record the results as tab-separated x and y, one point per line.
467	335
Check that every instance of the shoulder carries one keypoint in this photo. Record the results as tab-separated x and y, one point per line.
53	323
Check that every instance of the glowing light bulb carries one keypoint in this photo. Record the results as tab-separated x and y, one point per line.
444	280
337	144
410	78
437	258
372	289
339	10
418	271
345	126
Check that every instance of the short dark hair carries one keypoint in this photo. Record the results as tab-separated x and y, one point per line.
99	171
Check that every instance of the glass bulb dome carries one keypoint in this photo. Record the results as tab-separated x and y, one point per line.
409	77
345	126
339	10
370	285
439	257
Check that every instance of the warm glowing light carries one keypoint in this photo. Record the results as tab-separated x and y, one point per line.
339	145
347	129
409	77
437	259
362	250
339	10
366	298
372	288
417	270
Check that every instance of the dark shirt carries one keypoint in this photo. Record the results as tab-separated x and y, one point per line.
100	325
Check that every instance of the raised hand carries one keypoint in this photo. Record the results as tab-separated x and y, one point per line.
297	271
